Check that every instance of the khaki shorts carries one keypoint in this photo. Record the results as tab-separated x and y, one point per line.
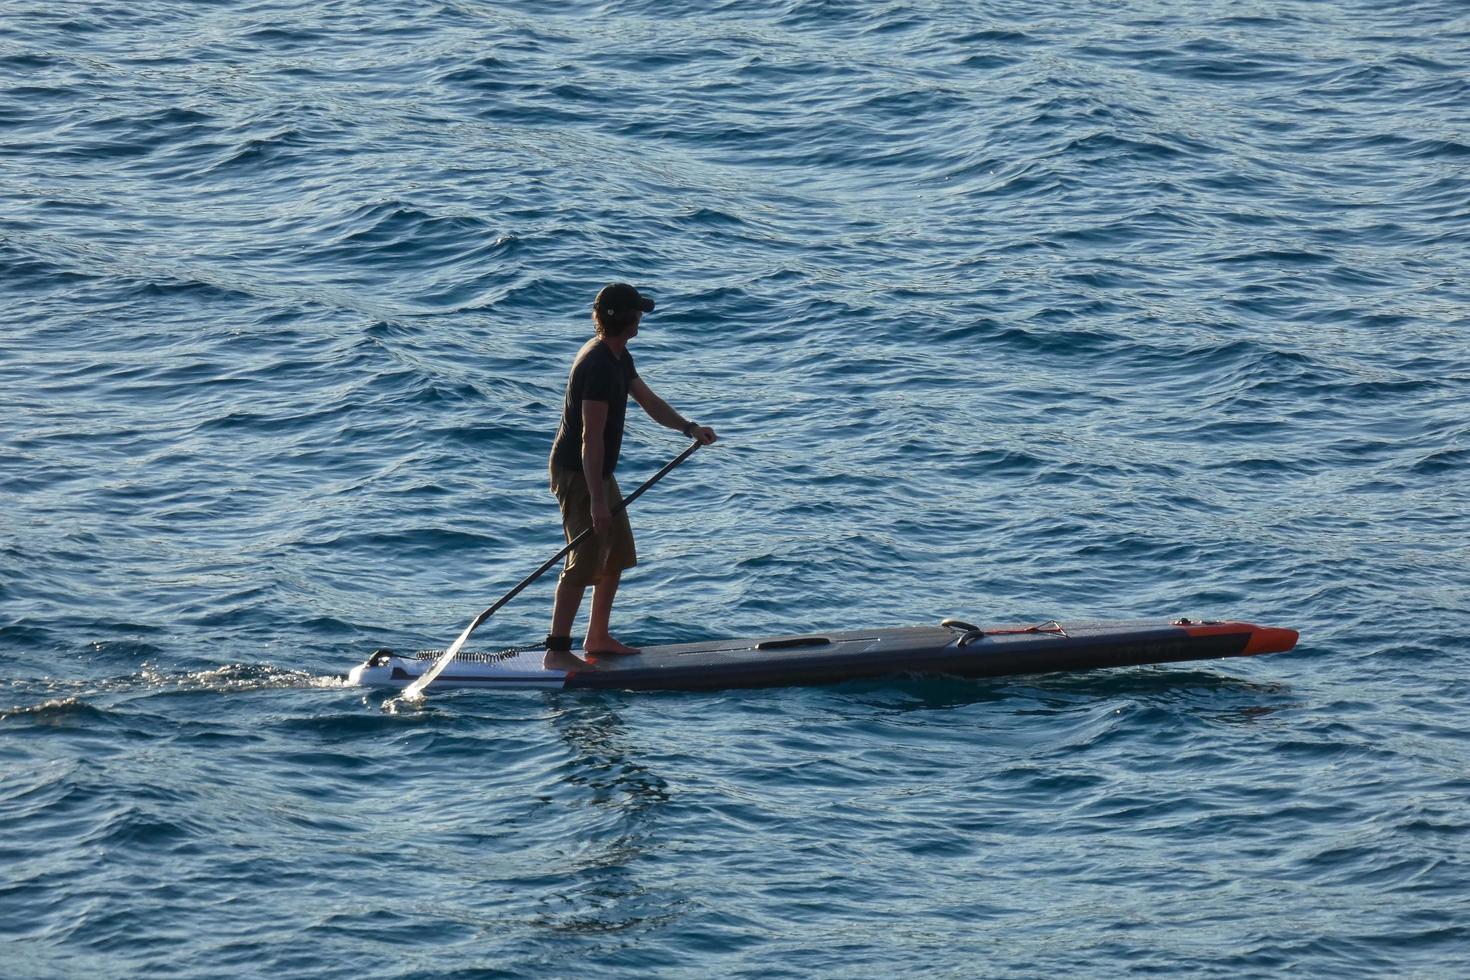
599	553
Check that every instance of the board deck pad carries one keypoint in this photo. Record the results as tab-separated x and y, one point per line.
828	657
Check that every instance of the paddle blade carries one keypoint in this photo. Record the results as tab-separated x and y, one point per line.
415	691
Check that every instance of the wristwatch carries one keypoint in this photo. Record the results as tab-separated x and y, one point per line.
689	428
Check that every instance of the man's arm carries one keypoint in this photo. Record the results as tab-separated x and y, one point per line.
661	412
594	420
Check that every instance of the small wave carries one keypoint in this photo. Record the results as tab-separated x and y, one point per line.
260	151
281	38
435	392
152	128
390	718
273	425
127	651
1257	20
483	75
409	544
69	696
22	271
57	711
1232	65
1109	147
1443	461
29	62
999	36
1445	149
712	217
1156	222
1263	466
394	220
178	287
24	635
231	678
134	827
986	62
1276	256
1040	339
394	232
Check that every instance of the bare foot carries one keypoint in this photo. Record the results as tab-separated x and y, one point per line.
561	660
606	646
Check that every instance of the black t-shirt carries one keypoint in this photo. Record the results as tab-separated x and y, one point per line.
603	377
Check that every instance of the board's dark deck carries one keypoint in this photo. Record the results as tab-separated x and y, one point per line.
823	658
927	650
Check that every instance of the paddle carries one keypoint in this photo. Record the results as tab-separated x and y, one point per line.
415	690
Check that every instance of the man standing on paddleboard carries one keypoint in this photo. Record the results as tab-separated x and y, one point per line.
583	459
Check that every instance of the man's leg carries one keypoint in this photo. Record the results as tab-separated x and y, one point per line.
598	639
563	614
564	609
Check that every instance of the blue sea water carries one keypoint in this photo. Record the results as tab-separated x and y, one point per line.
1003	311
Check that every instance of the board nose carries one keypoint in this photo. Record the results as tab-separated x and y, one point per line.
1270	639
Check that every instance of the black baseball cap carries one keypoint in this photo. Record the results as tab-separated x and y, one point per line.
618	300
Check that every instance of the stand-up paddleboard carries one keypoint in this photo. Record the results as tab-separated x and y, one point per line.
953	648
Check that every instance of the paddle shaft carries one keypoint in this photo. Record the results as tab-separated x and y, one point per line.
417	687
